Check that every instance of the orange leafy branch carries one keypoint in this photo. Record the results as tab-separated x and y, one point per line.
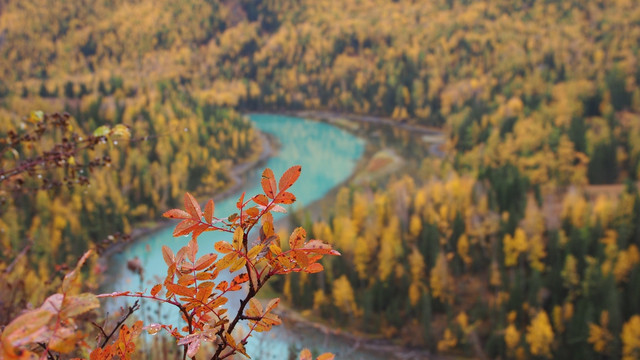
192	283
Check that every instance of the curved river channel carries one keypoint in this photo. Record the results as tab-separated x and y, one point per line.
328	156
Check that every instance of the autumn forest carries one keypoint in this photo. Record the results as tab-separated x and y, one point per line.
488	205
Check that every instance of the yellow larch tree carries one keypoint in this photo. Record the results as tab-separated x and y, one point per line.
540	335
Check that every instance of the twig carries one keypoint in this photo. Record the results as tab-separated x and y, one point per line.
136	306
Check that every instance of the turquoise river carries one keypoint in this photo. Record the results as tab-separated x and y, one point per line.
328	156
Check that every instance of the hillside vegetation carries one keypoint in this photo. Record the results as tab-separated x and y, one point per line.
505	247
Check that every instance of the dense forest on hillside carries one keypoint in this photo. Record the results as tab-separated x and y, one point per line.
521	242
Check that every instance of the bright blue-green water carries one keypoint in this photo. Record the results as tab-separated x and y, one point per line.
328	157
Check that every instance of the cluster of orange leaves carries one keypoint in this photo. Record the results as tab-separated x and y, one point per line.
191	286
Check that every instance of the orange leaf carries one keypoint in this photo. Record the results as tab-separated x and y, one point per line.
223	247
305	354
226	261
199	229
180	290
272	304
297	238
261	200
205	261
240	202
268	183
318	247
185	227
314	268
326	356
253	211
156	289
192	206
208	211
222	286
176	214
240	279
192	249
238	264
289	177
168	255
238	237
286	198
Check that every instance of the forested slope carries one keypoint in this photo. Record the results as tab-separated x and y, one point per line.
504	247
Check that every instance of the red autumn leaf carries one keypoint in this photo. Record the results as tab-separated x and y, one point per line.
192	206
289	177
208	211
176	214
269	183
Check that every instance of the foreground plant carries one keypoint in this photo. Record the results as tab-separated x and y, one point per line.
192	284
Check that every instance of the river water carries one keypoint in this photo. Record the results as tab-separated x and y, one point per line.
328	156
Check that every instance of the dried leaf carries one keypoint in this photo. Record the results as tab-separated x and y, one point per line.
73	275
27	328
74	305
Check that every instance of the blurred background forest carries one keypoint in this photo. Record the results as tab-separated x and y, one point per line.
519	241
